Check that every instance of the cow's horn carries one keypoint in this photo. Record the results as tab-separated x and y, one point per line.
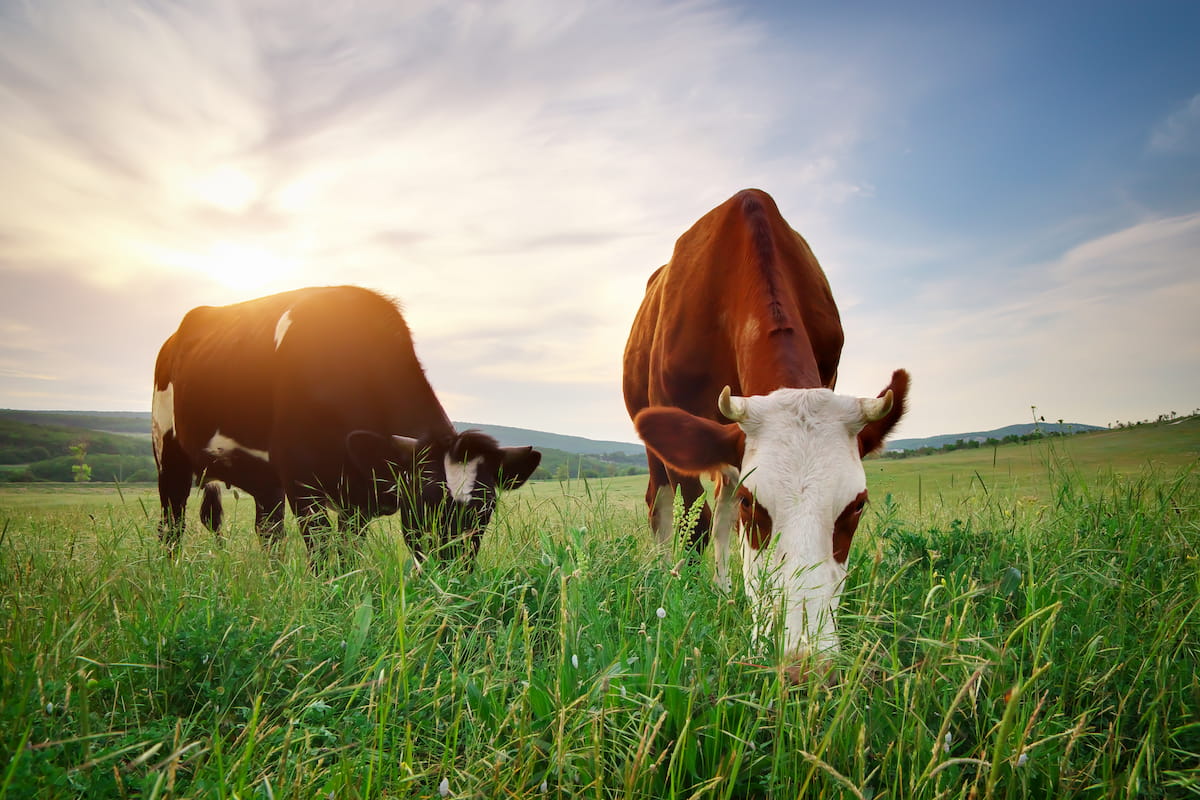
733	408
876	408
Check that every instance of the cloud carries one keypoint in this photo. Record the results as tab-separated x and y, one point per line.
512	172
1180	131
1083	337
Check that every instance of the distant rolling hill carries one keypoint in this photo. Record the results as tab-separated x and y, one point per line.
571	444
138	422
983	436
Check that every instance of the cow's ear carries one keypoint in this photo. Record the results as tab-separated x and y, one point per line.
516	465
871	437
690	444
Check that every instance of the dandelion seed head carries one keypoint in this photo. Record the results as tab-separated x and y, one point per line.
661	612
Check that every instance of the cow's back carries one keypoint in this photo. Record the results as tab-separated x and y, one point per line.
742	302
346	362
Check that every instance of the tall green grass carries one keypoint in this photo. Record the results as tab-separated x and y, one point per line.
1004	648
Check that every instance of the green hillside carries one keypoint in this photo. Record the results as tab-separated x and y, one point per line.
1024	469
37	452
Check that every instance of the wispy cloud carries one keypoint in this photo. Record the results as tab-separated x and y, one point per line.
512	172
1082	336
1179	132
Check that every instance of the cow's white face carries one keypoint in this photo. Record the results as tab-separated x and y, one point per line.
791	481
800	482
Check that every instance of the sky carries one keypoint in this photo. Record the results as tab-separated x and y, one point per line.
1005	196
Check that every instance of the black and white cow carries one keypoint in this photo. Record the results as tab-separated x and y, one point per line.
316	395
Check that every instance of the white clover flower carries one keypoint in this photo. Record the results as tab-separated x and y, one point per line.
444	787
662	612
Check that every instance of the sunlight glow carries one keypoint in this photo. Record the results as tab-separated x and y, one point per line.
241	266
227	188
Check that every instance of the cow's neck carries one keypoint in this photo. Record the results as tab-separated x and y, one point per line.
779	359
420	415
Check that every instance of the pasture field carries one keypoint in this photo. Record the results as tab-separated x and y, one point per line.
1023	623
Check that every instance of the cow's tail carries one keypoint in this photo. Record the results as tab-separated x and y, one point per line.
210	506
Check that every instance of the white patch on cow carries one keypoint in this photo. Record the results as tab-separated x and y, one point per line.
282	326
750	330
460	478
801	463
222	448
162	416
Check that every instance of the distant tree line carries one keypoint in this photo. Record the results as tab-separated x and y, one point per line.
561	465
1169	416
35	452
975	444
94	467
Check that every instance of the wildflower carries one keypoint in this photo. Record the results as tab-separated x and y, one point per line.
1021	759
444	787
575	661
662	612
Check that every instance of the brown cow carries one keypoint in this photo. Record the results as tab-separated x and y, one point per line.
729	371
316	395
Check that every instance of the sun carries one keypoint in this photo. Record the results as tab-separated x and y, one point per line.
227	188
242	266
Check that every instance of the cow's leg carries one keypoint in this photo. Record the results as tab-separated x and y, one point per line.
268	520
660	499
724	521
174	485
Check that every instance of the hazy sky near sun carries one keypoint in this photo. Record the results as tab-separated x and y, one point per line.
1005	196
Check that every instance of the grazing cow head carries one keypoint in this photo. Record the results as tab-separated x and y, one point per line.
790	472
444	489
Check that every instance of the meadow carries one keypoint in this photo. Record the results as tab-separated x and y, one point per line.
1017	623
